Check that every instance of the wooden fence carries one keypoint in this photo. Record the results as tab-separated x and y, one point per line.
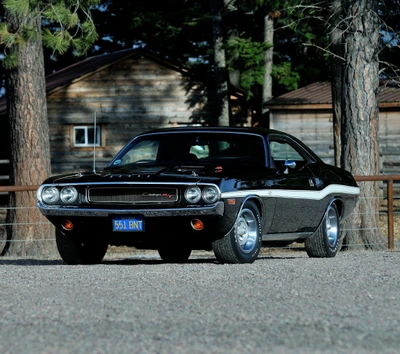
388	179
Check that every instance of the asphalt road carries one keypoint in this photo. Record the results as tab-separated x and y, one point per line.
282	303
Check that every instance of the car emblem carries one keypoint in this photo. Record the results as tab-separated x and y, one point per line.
157	195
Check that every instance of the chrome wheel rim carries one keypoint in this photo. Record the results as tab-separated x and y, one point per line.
246	231
332	227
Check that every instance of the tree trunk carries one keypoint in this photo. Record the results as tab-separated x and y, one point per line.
220	71
29	143
336	39
231	34
268	59
360	115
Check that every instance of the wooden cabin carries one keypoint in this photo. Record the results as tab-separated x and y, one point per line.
307	113
121	94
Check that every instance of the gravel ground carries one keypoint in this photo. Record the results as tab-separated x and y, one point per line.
134	303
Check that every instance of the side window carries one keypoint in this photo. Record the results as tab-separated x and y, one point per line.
282	150
244	149
84	135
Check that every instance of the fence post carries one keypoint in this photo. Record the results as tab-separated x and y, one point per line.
390	214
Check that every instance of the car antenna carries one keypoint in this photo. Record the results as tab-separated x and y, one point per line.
94	144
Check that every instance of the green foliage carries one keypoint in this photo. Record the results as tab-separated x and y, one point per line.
284	75
247	56
6	38
10	61
18	8
59	41
65	27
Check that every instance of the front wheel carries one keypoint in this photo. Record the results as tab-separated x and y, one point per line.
75	249
242	244
325	242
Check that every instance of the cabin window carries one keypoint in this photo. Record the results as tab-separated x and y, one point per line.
84	135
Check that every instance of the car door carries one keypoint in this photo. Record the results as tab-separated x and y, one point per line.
297	209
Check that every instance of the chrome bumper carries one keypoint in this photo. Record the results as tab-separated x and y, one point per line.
213	210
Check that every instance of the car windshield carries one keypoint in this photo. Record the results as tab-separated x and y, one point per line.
193	148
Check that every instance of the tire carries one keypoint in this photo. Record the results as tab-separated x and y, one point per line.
171	254
74	249
325	242
242	244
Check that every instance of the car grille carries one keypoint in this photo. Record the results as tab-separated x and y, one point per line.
133	195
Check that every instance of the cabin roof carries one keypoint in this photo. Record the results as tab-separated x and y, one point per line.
320	94
91	64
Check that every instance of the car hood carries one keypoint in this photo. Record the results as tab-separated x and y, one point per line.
150	173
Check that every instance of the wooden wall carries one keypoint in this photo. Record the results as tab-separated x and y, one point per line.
315	128
129	97
389	140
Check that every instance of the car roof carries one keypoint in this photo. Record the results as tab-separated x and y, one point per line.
220	129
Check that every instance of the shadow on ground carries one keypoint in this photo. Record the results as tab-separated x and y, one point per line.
129	260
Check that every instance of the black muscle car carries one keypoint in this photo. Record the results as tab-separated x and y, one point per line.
230	190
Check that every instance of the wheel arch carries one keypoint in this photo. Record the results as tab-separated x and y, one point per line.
339	203
257	201
250	198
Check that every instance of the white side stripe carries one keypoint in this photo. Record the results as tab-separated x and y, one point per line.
295	194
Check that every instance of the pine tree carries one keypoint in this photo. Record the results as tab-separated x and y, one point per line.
22	35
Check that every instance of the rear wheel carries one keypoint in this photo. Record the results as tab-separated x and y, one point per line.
325	242
242	244
75	249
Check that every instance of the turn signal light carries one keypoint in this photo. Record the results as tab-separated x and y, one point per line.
67	225
197	224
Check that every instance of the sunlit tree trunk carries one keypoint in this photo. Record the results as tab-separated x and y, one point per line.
336	31
231	34
268	60
360	116
29	142
220	70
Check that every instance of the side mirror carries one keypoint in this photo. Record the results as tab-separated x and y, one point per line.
289	164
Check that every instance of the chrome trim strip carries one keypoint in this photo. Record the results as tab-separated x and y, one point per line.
124	183
286	236
215	210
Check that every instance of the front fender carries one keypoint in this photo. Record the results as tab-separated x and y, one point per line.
232	208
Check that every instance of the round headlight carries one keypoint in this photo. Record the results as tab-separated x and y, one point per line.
210	194
69	195
50	195
193	194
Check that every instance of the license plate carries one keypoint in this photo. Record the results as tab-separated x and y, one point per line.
128	224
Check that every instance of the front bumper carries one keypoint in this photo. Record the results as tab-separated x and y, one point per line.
216	209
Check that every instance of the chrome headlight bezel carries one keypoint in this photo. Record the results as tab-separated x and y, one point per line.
69	195
210	194
193	194
50	195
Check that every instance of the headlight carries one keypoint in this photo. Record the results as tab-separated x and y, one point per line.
210	194
193	194
50	195
69	195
